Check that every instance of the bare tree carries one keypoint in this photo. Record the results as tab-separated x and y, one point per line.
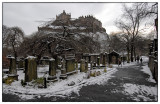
130	22
14	39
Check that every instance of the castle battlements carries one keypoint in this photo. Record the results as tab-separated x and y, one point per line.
82	24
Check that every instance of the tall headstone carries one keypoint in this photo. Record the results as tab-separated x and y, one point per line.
86	66
98	61
63	70
104	60
70	66
12	69
30	68
82	65
76	65
52	70
94	64
91	65
21	64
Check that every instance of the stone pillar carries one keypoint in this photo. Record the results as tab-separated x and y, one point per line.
63	71
12	69
98	61
52	70
82	65
30	68
86	66
70	65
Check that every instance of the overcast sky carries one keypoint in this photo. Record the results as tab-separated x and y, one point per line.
26	15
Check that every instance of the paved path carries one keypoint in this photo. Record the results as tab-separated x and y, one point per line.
112	91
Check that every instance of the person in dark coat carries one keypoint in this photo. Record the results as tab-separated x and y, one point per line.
141	60
138	59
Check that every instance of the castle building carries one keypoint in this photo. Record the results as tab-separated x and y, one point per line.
82	24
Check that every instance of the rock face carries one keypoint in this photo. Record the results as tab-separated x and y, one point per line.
82	24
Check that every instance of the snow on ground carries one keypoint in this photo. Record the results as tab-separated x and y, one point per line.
148	71
125	64
139	92
59	88
144	58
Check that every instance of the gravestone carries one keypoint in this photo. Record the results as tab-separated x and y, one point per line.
91	65
12	69
104	60
94	64
52	70
76	65
86	66
70	66
21	64
63	71
98	61
30	68
82	65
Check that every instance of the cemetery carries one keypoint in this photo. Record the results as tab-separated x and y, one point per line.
33	79
105	54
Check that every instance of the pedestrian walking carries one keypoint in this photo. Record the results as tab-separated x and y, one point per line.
137	59
141	60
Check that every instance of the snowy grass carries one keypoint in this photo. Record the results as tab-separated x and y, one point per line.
59	88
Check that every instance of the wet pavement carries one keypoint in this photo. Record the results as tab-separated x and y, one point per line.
111	91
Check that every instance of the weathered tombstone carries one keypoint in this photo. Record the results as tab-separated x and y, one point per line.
30	68
76	65
104	60
98	61
52	70
21	64
63	71
45	82
94	64
82	65
91	65
12	69
45	60
70	66
86	66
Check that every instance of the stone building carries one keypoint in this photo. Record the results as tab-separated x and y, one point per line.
113	57
84	24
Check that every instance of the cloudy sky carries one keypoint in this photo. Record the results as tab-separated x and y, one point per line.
26	15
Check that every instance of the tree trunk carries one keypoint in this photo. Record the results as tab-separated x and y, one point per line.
128	59
134	53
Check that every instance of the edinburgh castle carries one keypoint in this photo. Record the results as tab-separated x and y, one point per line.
83	24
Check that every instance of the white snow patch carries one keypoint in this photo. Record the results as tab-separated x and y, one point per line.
140	91
148	71
145	58
30	57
